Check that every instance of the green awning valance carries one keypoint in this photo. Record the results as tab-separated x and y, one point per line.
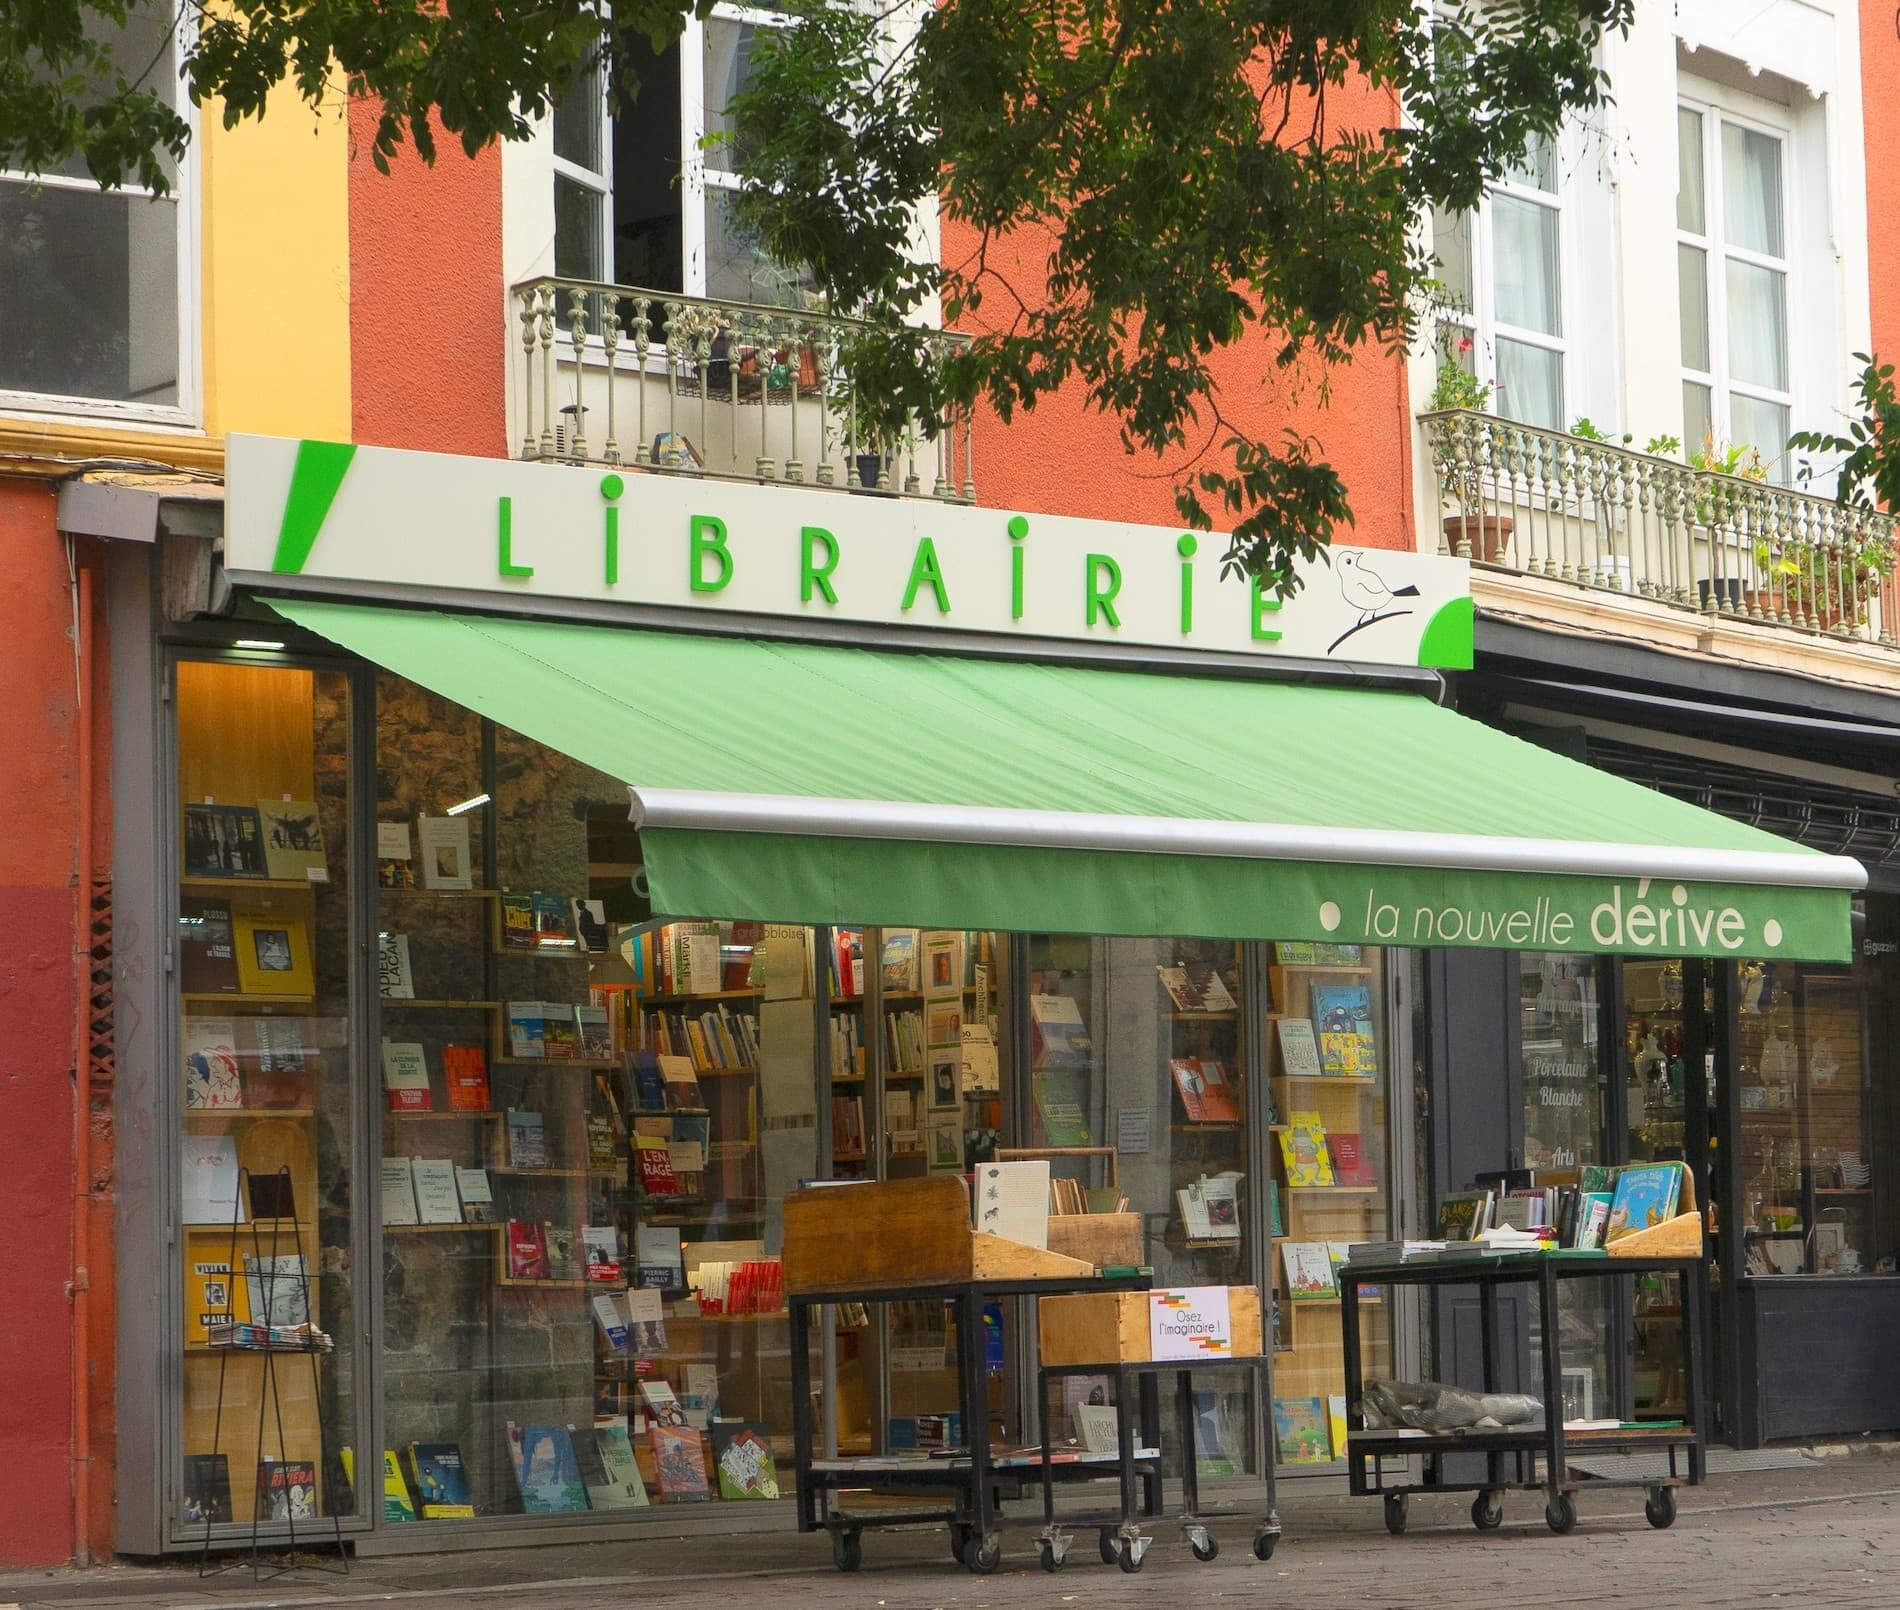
796	782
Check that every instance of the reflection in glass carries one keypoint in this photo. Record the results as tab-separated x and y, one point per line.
1689	202
1751	190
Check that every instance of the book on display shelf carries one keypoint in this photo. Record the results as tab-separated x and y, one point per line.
397	1504
595	1034
527	1139
1059	1104
223	841
649	1083
398	1192
406	1077
589	920
553	921
271	1196
1351	1166
527	1250
1646	1195
437	1199
527	1033
395	978
1302	1431
620	1486
560	1034
395	861
207	959
212	1080
1304	1152
603	1143
1464	1215
611	1319
292	831
439	1480
679	1463
1299	1049
517	919
273	951
653	1164
1196	987
1059	1038
465	1075
1309	1271
209	1165
658	1259
742	1454
547	1474
445	852
681	1082
1342	1020
207	1489
478	1201
565	1258
287	1489
278	1050
897	963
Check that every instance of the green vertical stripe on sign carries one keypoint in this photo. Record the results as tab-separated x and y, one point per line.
314	481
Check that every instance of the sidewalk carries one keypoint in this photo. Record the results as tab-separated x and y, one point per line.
1824	1535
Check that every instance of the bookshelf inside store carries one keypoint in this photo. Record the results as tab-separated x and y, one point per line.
1326	1045
264	1056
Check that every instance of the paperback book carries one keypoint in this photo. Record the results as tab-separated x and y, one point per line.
223	841
527	1250
406	1076
465	1075
1303	1150
742	1454
1299	1050
207	963
619	1486
1300	1428
546	1472
287	1489
439	1480
1309	1271
445	861
395	980
1342	1020
478	1201
212	1081
293	840
527	1139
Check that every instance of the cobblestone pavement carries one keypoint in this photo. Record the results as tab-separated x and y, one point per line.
1825	1535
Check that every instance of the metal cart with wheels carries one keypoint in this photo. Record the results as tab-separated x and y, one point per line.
1121	1538
1530	1458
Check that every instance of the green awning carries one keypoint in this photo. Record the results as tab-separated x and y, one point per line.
795	782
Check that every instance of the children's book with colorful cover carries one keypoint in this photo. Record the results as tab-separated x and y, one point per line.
1646	1195
1303	1150
742	1454
1190	1085
679	1463
1593	1216
439	1480
1464	1215
1300	1428
1342	1021
1309	1271
546	1471
1336	1423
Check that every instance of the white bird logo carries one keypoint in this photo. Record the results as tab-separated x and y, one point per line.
1364	588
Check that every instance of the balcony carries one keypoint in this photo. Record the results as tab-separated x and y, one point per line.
1604	518
614	374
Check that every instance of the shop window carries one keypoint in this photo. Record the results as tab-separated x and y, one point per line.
263	1086
90	279
1152	1052
1807	1160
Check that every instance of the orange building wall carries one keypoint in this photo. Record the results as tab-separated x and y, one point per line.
1880	100
427	304
1063	458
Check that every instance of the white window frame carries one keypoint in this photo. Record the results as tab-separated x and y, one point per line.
598	181
1480	321
188	411
1716	254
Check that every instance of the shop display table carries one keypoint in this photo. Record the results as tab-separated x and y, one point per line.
911	1241
1512	1453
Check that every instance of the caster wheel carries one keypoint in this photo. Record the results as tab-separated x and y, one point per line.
1206	1546
1561	1513
1264	1545
959	1540
847	1550
1051	1561
1110	1545
1487	1511
982	1554
1395	1513
1659	1509
1129	1559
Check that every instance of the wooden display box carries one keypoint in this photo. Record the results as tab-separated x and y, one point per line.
1111	1327
872	1235
1107	1240
1680	1237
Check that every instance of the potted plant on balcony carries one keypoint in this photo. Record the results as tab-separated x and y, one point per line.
1478	531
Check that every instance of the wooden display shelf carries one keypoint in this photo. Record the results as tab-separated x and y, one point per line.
1192	1124
1332	1190
237	998
1354	969
248	883
705	995
446	1113
537	1173
1178	1015
564	952
594	1063
249	1112
917	994
1328	1078
462	1228
512	1284
1297	1304
723	1073
438	894
431	1004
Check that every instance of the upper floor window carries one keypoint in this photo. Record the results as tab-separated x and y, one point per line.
1502	271
90	279
1732	262
639	201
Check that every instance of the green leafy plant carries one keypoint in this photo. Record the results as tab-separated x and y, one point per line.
1868	474
1145	205
1664	446
1457	387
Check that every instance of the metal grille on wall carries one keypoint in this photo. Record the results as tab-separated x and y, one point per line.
1840	821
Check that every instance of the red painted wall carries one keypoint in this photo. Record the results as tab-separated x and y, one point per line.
1880	102
38	715
1063	458
427	304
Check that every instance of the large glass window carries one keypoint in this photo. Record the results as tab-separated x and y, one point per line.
1501	269
266	1057
1732	260
89	279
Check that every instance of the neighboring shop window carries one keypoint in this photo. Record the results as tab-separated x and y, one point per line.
1807	1155
266	1161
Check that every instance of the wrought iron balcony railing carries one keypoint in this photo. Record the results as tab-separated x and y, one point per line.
614	374
1602	516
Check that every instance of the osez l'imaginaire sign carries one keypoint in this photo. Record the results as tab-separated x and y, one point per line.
519	532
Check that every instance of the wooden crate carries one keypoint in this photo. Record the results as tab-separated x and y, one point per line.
894	1233
1111	1327
1107	1240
